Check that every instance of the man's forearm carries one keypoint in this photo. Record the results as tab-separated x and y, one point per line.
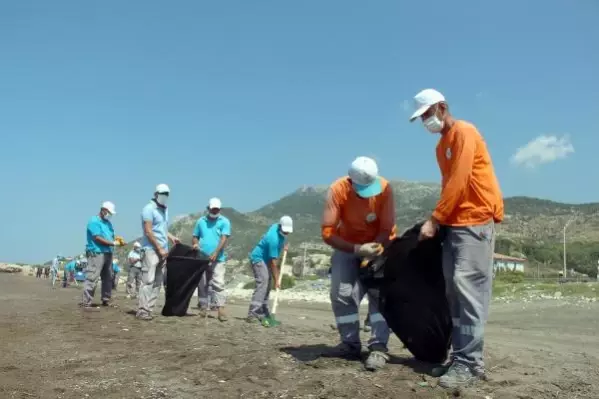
340	244
153	241
103	241
221	245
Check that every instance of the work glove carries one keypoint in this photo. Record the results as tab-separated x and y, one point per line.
368	250
119	241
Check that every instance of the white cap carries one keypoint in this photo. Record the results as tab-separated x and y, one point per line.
214	203
115	260
136	244
286	224
162	188
109	206
364	173
424	100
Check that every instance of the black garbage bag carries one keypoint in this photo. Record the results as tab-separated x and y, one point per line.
185	267
408	279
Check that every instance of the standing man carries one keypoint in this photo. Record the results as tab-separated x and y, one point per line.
471	203
54	269
263	259
359	217
154	218
116	270
134	274
99	248
210	236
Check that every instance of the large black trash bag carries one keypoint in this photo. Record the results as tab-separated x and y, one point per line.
409	279
185	267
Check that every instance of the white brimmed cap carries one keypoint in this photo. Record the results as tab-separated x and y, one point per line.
214	203
162	189
109	206
364	174
286	224
136	244
424	100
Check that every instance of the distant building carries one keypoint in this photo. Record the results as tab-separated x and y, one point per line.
508	263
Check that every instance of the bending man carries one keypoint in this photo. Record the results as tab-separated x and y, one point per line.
359	215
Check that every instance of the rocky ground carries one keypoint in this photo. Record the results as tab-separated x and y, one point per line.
546	348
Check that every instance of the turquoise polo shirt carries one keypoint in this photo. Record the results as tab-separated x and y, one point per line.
269	247
158	215
209	231
99	227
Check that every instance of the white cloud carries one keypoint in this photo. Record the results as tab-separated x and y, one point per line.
543	149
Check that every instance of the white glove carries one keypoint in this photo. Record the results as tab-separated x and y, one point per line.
116	243
369	249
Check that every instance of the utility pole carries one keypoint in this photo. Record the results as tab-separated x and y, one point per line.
565	262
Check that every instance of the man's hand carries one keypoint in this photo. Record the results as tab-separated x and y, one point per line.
174	239
162	253
368	250
277	285
428	229
286	247
195	246
212	257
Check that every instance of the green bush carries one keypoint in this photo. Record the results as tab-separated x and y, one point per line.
286	283
509	277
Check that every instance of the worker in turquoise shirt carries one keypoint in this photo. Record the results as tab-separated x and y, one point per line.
263	259
69	271
210	236
115	273
99	248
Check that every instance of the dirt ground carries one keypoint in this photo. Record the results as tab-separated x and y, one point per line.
50	349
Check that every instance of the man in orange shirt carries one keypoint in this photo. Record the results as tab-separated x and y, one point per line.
471	203
359	216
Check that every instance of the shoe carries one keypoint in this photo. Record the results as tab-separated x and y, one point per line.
128	297
459	375
90	308
109	304
203	312
252	320
376	360
222	316
344	351
143	316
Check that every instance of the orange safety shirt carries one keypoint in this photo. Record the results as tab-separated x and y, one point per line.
358	220
470	193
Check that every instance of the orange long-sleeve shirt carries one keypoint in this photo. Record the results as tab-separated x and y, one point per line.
358	220
470	192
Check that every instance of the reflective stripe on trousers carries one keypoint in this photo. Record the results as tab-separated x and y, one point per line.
468	270
346	294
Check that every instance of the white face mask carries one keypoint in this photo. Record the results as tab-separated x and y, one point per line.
162	199
433	124
213	215
107	216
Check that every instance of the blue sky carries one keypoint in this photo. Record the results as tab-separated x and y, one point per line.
247	100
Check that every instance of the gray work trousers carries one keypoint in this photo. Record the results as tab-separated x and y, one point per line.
98	266
468	270
133	277
211	288
151	281
259	301
346	294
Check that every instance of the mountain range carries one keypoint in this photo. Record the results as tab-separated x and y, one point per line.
529	222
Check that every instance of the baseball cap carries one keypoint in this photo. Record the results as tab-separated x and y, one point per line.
286	224
109	206
424	100
364	174
162	189
214	203
136	244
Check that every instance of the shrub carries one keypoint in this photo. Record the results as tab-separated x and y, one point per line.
509	277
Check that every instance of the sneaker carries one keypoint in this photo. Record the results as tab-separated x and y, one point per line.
109	304
90	308
128	297
458	375
252	320
203	312
376	360
144	316
222	316
344	351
